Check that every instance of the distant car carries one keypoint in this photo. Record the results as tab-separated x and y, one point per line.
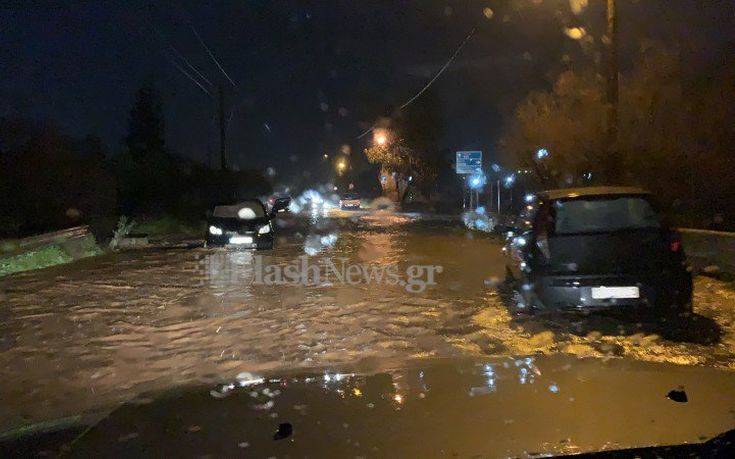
278	198
349	201
246	224
597	247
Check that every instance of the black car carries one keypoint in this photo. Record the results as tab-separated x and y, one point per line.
246	224
350	201
597	247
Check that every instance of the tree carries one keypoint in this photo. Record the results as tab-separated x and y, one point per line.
413	158
676	134
569	121
397	163
49	180
145	138
148	173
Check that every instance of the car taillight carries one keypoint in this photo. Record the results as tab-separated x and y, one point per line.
542	242
675	242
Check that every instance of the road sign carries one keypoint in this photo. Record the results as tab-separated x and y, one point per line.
469	162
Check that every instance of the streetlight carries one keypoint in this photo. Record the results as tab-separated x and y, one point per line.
341	166
380	137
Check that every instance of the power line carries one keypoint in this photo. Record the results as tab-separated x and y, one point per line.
181	69
212	56
438	74
186	61
181	57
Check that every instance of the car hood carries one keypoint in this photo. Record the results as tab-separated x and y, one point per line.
493	407
235	224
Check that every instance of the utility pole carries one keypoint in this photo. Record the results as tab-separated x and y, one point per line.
222	130
612	87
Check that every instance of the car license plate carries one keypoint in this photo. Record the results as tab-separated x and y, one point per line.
241	240
605	293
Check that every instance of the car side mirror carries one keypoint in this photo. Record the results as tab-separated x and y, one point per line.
278	205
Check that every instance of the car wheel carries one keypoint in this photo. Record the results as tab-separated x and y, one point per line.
510	279
531	303
684	308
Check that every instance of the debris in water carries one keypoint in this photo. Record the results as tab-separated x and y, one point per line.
678	395
285	429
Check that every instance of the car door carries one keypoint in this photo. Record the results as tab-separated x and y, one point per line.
518	243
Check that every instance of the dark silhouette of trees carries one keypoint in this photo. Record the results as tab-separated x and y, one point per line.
154	181
676	134
49	180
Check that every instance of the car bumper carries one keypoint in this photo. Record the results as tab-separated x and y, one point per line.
259	242
668	290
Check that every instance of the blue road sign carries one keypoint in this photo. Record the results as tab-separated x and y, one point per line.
469	162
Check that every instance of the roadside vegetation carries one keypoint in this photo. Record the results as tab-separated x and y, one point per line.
675	138
49	180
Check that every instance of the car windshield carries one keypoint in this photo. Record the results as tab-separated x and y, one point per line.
603	215
365	228
248	210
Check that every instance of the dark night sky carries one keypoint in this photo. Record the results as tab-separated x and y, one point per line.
297	63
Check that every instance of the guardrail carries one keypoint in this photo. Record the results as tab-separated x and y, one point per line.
31	242
47	249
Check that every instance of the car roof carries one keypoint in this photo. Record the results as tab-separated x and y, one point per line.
563	193
244	202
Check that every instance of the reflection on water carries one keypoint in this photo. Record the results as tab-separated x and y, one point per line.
227	267
429	406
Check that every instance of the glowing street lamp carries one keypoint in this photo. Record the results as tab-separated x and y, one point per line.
380	137
477	181
341	165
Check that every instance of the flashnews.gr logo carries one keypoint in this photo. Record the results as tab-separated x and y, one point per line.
304	271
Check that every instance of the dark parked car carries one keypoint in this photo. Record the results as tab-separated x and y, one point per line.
246	224
349	201
270	202
597	247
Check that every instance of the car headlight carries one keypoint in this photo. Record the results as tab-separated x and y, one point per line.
265	229
215	230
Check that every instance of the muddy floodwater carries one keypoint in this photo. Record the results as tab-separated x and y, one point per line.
86	337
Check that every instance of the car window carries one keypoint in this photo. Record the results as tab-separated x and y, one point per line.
606	214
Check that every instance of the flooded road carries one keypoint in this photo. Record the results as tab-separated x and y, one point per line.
90	335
